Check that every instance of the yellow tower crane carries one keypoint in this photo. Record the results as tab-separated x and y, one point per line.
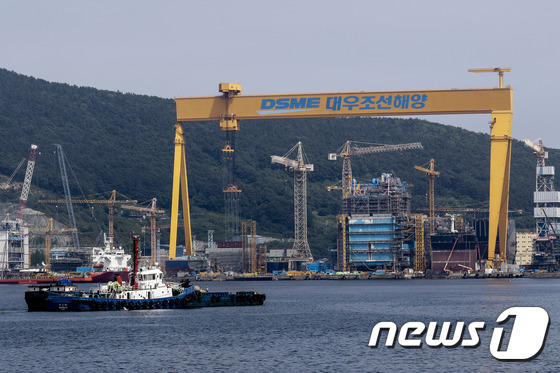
499	70
431	175
231	107
48	230
110	202
153	211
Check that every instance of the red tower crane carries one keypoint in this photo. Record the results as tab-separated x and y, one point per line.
27	182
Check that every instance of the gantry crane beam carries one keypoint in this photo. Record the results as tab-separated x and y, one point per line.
467	209
321	105
230	108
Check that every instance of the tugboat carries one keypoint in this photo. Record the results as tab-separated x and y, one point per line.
146	290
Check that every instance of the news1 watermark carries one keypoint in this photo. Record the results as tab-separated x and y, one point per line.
526	338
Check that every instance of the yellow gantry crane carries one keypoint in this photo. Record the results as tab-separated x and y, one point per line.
467	209
231	107
110	202
431	175
153	211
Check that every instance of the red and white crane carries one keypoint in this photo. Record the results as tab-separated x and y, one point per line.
27	182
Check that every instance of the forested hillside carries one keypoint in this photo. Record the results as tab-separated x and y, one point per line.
123	141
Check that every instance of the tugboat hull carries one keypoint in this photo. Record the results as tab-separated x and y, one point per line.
41	300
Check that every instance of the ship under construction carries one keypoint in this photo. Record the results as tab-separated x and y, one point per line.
375	227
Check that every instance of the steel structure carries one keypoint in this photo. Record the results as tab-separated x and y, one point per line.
67	196
7	183
431	175
180	185
27	183
372	226
69	201
352	148
386	194
231	107
231	191
546	248
249	257
211	243
48	231
342	242
300	167
14	246
153	229
262	259
244	248
546	198
419	258
253	263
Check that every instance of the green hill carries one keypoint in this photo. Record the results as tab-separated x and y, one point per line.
123	141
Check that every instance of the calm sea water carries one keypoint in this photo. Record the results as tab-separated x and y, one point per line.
317	326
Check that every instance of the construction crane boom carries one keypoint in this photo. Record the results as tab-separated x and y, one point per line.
539	151
7	183
48	230
499	70
27	182
110	202
351	148
153	211
431	174
67	196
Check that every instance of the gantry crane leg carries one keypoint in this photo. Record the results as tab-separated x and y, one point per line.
500	158
180	181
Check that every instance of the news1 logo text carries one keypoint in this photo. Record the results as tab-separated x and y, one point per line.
526	339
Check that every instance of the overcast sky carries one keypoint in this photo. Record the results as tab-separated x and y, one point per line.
185	48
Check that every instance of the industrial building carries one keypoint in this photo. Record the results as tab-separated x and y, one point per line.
524	254
14	246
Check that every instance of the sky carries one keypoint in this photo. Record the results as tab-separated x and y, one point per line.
173	48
